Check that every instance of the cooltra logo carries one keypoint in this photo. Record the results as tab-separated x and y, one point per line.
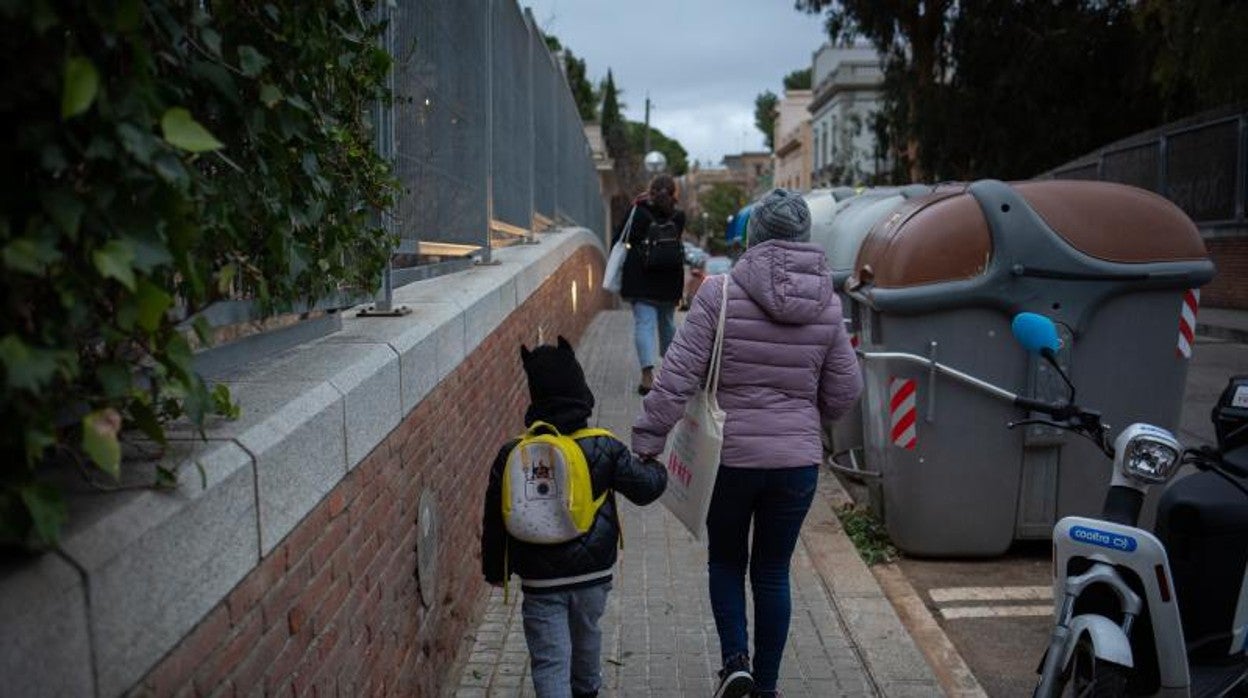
1105	539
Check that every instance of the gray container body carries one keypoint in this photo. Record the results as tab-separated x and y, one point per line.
840	220
970	486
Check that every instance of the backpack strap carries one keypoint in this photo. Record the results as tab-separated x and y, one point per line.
590	432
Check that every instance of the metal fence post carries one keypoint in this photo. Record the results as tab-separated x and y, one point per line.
1241	165
531	238
1163	165
487	256
384	142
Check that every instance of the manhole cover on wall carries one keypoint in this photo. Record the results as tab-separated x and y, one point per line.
427	548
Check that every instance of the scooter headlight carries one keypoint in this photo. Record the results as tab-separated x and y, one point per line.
1147	453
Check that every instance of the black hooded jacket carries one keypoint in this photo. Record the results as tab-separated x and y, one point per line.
665	286
560	397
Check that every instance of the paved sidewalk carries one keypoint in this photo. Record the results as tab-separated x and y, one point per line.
659	636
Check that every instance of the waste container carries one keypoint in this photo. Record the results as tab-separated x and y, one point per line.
941	277
840	220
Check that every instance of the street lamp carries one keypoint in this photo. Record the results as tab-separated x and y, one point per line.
655	162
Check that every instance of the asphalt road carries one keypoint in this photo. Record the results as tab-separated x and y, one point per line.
998	612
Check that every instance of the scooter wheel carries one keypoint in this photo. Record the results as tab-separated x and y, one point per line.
1090	677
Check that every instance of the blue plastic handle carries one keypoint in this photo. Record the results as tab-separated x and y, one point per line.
1036	333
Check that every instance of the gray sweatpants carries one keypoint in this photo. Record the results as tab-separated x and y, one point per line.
565	642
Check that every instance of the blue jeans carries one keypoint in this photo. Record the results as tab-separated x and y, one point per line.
647	317
565	642
776	501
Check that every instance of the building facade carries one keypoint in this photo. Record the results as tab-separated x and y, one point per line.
847	95
792	139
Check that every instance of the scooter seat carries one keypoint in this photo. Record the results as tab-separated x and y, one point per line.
1203	522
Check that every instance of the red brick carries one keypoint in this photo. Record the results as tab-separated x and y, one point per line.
278	601
249	676
331	539
214	670
246	596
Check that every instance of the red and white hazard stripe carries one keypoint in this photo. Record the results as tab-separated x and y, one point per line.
1187	322
902	414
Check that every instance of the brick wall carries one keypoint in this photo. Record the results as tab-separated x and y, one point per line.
1229	289
336	608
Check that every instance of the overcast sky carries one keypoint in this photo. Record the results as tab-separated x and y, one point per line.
702	61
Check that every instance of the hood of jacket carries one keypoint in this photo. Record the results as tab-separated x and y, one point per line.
790	281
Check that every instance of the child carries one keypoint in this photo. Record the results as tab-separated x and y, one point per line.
565	584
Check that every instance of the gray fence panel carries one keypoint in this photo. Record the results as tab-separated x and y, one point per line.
544	76
1137	166
1202	172
441	102
513	116
1081	172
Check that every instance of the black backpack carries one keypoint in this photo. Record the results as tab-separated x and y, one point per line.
662	250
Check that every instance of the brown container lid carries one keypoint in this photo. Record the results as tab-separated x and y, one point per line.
938	237
1115	222
944	237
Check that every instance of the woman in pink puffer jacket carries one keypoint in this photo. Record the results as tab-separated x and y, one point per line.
787	368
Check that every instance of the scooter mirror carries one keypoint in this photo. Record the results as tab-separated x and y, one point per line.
1036	333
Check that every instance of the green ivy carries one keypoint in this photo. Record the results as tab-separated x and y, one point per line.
169	154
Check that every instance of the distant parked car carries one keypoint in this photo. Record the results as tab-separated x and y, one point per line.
718	265
694	255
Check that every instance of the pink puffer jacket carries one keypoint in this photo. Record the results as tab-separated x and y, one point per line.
787	362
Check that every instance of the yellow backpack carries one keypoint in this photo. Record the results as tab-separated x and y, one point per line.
547	493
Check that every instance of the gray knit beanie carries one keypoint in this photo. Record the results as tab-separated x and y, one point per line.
781	215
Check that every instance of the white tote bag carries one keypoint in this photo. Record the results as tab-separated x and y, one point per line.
613	275
694	446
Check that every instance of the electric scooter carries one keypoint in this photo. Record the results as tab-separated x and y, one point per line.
1118	588
1138	612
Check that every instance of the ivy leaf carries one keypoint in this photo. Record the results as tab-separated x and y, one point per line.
137	142
183	131
202	330
222	404
30	256
37	441
251	61
166	479
64	209
153	302
26	368
113	262
270	95
144	417
212	40
115	379
99	440
47	511
82	82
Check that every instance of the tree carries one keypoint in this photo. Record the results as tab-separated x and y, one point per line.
719	202
582	89
677	156
798	80
765	117
576	72
911	34
1002	113
1199	61
613	128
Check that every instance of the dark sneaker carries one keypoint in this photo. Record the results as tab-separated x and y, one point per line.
735	680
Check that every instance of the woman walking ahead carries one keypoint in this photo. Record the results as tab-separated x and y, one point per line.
787	366
654	272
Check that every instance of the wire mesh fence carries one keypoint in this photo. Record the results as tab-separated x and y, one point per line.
487	141
1201	165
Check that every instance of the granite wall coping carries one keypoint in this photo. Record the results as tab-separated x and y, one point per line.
139	568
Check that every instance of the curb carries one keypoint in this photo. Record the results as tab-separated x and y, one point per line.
941	657
893	661
1231	334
